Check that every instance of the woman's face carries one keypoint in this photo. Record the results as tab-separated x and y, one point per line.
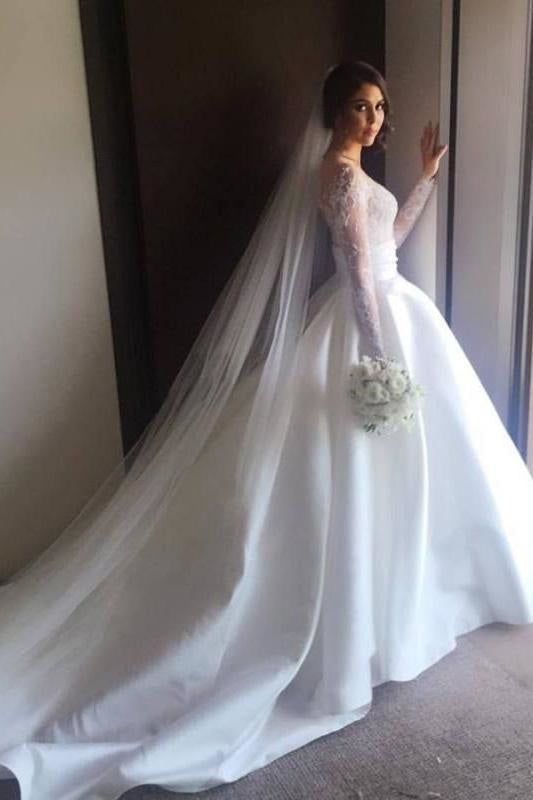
363	115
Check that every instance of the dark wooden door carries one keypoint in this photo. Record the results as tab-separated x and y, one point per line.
219	92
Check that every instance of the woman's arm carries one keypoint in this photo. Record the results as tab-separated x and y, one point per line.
431	152
411	209
348	201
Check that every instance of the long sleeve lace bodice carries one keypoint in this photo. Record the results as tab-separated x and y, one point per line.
344	202
362	215
411	208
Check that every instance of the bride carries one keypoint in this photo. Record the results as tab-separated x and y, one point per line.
259	561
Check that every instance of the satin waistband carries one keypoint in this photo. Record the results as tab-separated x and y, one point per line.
383	259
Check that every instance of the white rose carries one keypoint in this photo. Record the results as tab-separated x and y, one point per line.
397	384
385	395
376	393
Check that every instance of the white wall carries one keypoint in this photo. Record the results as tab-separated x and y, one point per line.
59	423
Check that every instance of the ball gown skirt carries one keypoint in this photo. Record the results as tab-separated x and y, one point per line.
234	638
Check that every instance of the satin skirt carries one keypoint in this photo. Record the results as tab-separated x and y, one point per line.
227	644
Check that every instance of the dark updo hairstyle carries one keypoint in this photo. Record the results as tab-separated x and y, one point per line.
342	82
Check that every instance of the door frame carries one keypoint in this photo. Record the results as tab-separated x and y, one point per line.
105	52
521	404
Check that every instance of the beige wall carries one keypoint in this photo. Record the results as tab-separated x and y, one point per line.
491	100
413	53
530	425
492	55
59	424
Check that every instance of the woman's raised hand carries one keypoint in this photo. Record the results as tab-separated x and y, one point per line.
432	152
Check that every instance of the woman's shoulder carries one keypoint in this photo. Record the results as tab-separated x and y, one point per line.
339	174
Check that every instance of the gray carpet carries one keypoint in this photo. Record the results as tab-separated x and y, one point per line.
462	730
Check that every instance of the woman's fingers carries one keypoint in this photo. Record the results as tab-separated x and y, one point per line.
429	143
436	139
426	136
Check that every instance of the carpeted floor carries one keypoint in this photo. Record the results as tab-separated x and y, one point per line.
462	730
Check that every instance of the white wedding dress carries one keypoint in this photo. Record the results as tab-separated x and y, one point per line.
234	638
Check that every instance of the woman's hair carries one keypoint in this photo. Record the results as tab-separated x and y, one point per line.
342	82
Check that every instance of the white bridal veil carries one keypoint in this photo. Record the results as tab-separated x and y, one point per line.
247	346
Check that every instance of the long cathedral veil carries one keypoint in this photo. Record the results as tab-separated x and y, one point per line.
246	348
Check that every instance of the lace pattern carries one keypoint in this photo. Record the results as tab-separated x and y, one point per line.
361	214
345	204
412	208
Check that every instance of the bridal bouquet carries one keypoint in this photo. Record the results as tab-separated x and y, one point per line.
383	395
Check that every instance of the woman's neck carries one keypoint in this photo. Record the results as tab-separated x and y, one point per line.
349	150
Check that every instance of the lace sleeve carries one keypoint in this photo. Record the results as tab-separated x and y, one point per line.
347	198
412	208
